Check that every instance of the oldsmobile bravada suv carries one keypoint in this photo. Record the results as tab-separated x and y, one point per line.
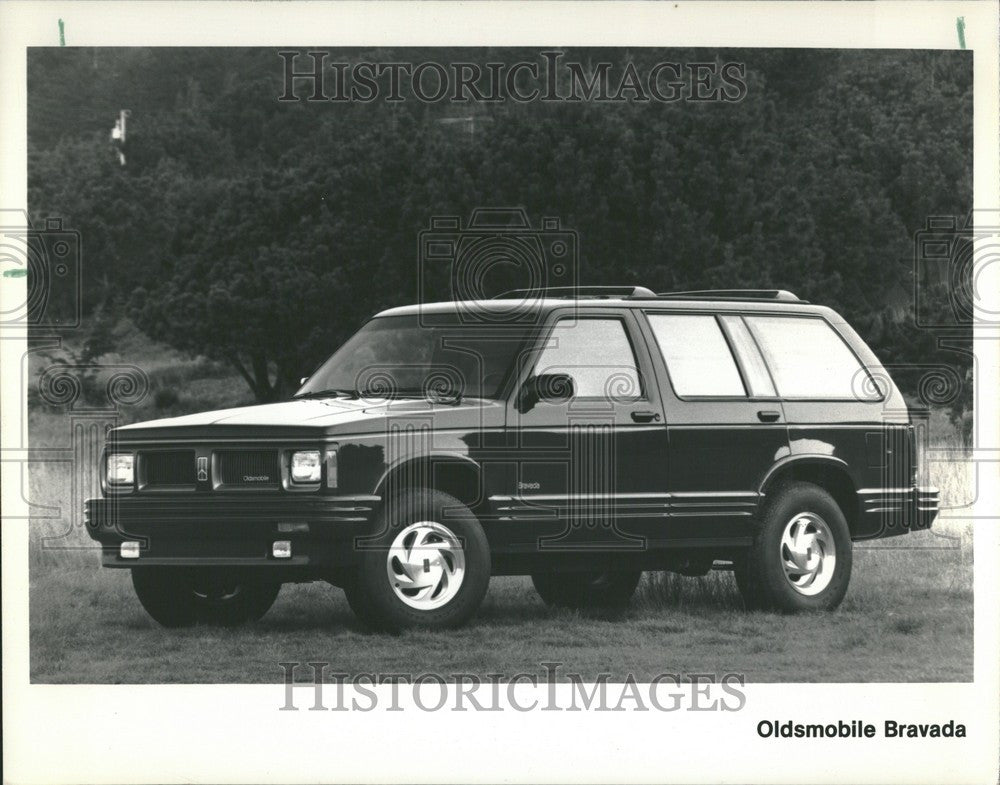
577	436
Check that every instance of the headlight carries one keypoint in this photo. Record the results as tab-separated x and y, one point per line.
121	469
306	466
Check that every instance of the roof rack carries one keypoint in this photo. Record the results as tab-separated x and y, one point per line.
577	292
642	293
733	294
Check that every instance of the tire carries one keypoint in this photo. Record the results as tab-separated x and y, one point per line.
429	568
801	556
355	595
589	589
180	597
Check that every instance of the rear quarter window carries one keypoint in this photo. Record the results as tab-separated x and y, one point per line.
809	359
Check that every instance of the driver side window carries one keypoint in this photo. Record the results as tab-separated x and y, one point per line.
596	354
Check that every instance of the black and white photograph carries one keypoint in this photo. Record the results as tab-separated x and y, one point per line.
375	366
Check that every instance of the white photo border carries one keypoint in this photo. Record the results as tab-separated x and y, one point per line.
134	734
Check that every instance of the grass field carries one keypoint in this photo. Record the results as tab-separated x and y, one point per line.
907	616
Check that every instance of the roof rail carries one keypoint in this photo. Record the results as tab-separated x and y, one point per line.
642	293
593	292
733	294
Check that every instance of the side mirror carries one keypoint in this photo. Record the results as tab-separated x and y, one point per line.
303	380
551	387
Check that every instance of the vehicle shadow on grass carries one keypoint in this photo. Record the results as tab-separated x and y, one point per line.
510	602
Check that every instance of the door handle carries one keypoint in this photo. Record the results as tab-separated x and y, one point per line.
768	415
645	417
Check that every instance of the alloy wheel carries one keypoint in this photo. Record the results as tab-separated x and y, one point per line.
425	565
808	553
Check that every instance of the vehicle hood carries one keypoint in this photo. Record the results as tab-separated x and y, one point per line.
316	417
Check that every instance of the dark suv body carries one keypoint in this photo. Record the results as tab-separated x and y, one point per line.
581	439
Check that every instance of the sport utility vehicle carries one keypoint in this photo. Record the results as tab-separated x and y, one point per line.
577	436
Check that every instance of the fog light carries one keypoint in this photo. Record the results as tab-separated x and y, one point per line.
282	549
129	550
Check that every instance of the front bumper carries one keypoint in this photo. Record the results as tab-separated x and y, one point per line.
887	512
230	530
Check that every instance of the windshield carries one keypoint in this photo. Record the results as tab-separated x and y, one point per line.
395	356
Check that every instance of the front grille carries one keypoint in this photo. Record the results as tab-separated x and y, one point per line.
248	468
168	468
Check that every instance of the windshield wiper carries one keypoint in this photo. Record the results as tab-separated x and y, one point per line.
451	398
414	393
328	393
433	396
430	395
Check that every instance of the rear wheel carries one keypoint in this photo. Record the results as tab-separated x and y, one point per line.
180	596
801	556
429	568
588	589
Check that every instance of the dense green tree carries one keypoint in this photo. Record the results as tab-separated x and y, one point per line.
264	232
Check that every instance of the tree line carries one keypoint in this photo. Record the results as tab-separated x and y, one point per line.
264	232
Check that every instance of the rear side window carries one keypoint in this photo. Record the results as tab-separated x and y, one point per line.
808	359
598	356
697	356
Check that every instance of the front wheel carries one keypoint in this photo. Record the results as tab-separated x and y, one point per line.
180	596
428	568
801	556
589	589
